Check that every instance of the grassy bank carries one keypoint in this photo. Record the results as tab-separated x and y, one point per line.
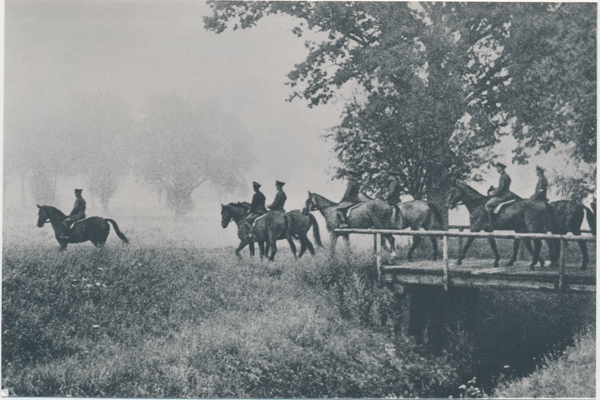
162	318
571	374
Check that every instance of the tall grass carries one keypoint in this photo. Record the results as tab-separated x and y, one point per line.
570	374
168	318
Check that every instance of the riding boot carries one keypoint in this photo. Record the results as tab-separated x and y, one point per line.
490	219
65	234
343	223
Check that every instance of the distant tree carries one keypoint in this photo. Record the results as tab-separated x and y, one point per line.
181	146
101	130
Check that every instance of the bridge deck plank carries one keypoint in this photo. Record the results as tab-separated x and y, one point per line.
481	273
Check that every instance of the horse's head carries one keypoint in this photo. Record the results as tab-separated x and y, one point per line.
49	214
310	204
225	215
454	197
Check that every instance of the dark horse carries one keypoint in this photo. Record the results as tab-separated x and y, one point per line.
570	216
94	229
521	216
297	224
374	214
416	215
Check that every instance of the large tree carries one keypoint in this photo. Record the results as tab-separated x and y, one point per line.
435	83
182	145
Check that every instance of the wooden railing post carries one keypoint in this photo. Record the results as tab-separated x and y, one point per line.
562	266
445	278
378	254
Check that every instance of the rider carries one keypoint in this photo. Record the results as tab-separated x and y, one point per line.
280	198
541	187
77	213
394	189
501	193
350	197
257	207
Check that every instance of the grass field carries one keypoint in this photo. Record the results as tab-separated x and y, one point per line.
169	317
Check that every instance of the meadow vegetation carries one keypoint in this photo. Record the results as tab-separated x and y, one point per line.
172	319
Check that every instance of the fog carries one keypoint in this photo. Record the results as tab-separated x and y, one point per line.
72	63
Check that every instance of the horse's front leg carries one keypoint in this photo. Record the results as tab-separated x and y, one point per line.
240	247
584	253
463	253
273	246
416	241
251	248
261	249
495	250
392	241
513	258
293	247
333	243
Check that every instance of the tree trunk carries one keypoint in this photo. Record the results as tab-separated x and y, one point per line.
436	195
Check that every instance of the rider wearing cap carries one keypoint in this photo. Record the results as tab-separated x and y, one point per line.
280	198
501	193
77	214
257	207
350	197
394	189
541	188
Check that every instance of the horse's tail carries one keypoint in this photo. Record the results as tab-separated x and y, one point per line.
315	229
436	215
591	219
117	231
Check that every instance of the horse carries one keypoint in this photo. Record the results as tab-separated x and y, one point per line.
238	212
298	227
94	229
570	216
416	215
521	216
374	214
297	223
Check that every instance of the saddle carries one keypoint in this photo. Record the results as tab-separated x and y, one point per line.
501	205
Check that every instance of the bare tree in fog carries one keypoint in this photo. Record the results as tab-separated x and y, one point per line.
34	152
180	146
101	127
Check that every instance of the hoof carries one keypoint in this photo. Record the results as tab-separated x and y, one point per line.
584	266
532	266
510	263
496	264
458	262
542	263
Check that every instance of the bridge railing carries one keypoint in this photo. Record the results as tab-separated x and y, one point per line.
377	240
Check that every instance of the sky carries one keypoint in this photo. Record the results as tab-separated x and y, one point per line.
59	50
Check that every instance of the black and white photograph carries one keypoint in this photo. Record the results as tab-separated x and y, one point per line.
289	199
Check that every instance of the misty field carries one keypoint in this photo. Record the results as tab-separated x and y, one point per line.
170	317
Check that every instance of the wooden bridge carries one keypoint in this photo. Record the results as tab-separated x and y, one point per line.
481	273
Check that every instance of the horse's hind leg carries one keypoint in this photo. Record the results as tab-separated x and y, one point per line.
513	258
435	247
392	241
416	241
584	254
495	250
537	246
292	246
309	245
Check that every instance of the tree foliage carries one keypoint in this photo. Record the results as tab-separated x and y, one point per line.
181	146
435	83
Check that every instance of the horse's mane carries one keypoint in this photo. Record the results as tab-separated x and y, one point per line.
470	191
331	203
54	210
